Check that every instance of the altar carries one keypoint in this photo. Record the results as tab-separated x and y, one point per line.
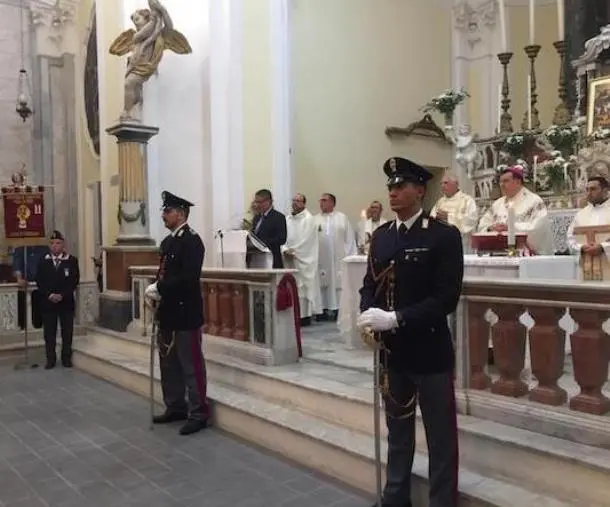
556	267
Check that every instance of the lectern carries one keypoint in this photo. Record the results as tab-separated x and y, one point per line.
241	249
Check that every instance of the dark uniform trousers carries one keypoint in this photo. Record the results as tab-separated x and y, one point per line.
50	317
436	397
183	370
418	272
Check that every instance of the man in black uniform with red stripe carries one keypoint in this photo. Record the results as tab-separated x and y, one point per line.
180	318
413	282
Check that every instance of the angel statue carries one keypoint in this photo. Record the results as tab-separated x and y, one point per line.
154	34
467	155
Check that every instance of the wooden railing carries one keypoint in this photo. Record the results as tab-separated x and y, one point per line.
545	303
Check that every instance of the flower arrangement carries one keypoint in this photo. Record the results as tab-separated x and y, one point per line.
446	103
563	138
552	174
248	221
514	144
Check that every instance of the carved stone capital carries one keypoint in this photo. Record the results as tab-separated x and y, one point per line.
471	19
53	22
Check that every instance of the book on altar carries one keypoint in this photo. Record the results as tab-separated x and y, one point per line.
593	267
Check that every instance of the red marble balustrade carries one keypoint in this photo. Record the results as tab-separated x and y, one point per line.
546	304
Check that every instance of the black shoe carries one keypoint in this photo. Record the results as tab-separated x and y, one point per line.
306	321
66	363
322	317
50	365
193	426
169	417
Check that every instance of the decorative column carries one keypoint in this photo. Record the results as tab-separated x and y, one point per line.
134	246
132	214
281	102
583	20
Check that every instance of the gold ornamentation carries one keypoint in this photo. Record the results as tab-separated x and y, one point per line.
23	213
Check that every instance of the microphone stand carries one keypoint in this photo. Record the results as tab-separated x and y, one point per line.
26	345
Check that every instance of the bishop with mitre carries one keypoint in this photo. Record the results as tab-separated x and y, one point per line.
301	253
531	215
589	233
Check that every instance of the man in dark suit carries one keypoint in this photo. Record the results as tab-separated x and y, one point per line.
57	276
269	225
413	282
180	318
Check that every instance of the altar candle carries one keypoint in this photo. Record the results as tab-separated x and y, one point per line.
532	19
510	224
529	102
560	20
502	10
499	108
565	173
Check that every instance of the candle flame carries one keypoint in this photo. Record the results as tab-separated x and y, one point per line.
363	214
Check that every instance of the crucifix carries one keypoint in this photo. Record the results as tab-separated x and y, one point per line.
593	267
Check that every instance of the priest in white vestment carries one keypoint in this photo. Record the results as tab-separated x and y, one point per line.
301	253
595	213
337	240
369	225
456	208
531	215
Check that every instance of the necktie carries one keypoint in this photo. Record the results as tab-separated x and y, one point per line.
258	224
402	229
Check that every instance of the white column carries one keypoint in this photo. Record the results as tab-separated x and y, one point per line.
281	103
226	116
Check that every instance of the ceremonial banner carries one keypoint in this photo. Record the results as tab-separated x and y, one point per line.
24	215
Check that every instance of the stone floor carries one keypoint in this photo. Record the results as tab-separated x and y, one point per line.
69	440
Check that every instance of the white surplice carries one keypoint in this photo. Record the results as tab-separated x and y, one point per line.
531	218
366	228
302	242
462	212
589	216
337	240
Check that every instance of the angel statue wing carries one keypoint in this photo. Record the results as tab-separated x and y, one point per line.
123	44
176	42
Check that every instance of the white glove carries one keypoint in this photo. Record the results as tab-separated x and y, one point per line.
377	319
151	292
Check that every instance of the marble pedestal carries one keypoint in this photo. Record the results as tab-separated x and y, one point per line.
115	301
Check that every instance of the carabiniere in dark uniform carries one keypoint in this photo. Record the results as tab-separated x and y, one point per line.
413	282
180	319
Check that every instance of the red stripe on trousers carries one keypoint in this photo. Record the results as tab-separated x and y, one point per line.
199	367
456	493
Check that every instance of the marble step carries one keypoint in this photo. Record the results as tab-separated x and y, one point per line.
332	449
344	398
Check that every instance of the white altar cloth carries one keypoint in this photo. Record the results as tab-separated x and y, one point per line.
538	267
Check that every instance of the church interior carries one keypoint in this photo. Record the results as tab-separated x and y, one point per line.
309	99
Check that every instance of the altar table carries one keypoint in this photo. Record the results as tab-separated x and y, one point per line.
538	267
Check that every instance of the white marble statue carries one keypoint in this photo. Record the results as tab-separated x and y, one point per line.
154	34
468	157
597	44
